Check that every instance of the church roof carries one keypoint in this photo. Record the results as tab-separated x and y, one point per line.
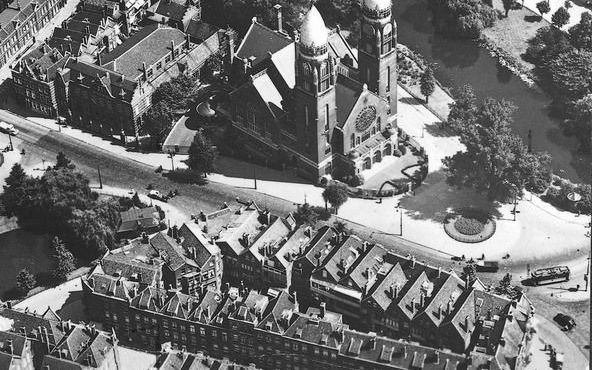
259	41
313	31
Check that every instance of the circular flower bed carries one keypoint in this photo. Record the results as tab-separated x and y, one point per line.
469	226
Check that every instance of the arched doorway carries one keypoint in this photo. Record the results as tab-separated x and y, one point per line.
387	150
377	157
367	163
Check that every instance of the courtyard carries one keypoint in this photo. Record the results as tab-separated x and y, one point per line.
388	169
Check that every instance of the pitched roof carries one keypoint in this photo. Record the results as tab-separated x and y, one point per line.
194	238
347	92
383	292
148	45
201	31
259	41
320	245
174	9
139	218
339	48
173	253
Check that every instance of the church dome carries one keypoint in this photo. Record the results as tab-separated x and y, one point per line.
378	4
313	32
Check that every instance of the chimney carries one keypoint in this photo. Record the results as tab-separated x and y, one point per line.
412	305
440	311
278	13
467	323
502	341
413	262
187	41
467	283
439	271
421	300
99	59
323	309
9	305
173	49
9	346
394	291
144	73
404	353
46	339
230	38
296	305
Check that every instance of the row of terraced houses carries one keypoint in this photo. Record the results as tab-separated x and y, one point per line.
291	297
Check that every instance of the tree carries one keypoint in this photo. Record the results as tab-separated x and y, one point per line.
580	34
136	202
427	83
159	121
496	161
571	75
341	228
176	93
560	18
508	6
65	262
469	272
63	162
543	7
580	122
505	285
336	194
202	154
464	107
25	281
16	178
213	65
306	215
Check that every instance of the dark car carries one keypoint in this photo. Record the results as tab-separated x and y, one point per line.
565	321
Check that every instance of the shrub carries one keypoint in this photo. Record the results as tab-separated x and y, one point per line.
397	153
403	149
356	180
322	213
186	176
403	136
468	226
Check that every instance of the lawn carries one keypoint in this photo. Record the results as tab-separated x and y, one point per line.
20	249
512	34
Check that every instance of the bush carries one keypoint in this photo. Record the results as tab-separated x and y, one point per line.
468	225
403	136
403	149
186	176
322	213
355	180
397	153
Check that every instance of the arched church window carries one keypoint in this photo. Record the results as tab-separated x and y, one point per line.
387	37
307	76
352	140
373	130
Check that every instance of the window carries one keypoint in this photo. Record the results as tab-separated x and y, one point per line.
327	118
357	140
306	116
388	78
387	36
366	136
202	332
352	141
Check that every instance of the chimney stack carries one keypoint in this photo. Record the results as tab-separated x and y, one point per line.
10	347
323	309
278	13
412	305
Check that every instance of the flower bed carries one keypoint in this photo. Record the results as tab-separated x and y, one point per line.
469	226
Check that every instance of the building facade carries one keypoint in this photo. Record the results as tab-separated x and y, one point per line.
310	102
20	21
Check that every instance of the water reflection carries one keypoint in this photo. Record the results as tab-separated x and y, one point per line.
461	62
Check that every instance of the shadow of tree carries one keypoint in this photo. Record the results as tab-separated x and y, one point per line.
410	101
233	167
439	130
532	18
434	199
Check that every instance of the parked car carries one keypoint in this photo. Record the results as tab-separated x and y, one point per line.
155	194
565	321
8	128
487	266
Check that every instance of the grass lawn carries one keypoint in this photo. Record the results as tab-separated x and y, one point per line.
20	249
512	34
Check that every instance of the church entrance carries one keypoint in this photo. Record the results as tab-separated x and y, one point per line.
367	163
377	157
387	150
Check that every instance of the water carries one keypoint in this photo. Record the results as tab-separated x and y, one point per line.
461	62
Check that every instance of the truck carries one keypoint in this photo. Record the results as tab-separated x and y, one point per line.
550	275
487	266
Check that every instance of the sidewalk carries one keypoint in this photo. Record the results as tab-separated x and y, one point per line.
423	212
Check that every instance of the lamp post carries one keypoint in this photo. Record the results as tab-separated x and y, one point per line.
10	142
400	212
172	156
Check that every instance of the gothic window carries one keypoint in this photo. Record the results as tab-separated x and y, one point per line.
326	117
306	116
373	130
388	78
352	140
387	37
307	77
324	77
357	140
368	36
366	136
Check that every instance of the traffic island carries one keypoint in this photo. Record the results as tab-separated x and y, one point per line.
469	225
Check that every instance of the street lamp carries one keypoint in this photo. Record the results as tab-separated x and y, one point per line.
400	212
172	156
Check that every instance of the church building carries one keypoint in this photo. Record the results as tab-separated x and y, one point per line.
312	102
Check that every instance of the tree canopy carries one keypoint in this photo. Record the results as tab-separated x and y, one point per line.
336	195
176	93
64	261
63	162
464	18
159	121
543	7
25	281
61	202
496	160
427	83
580	34
560	18
202	154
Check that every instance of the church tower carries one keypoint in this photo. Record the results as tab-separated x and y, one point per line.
377	56
314	106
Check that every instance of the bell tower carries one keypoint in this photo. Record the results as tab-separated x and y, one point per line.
377	57
314	110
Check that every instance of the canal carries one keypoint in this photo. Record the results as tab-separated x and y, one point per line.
461	62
